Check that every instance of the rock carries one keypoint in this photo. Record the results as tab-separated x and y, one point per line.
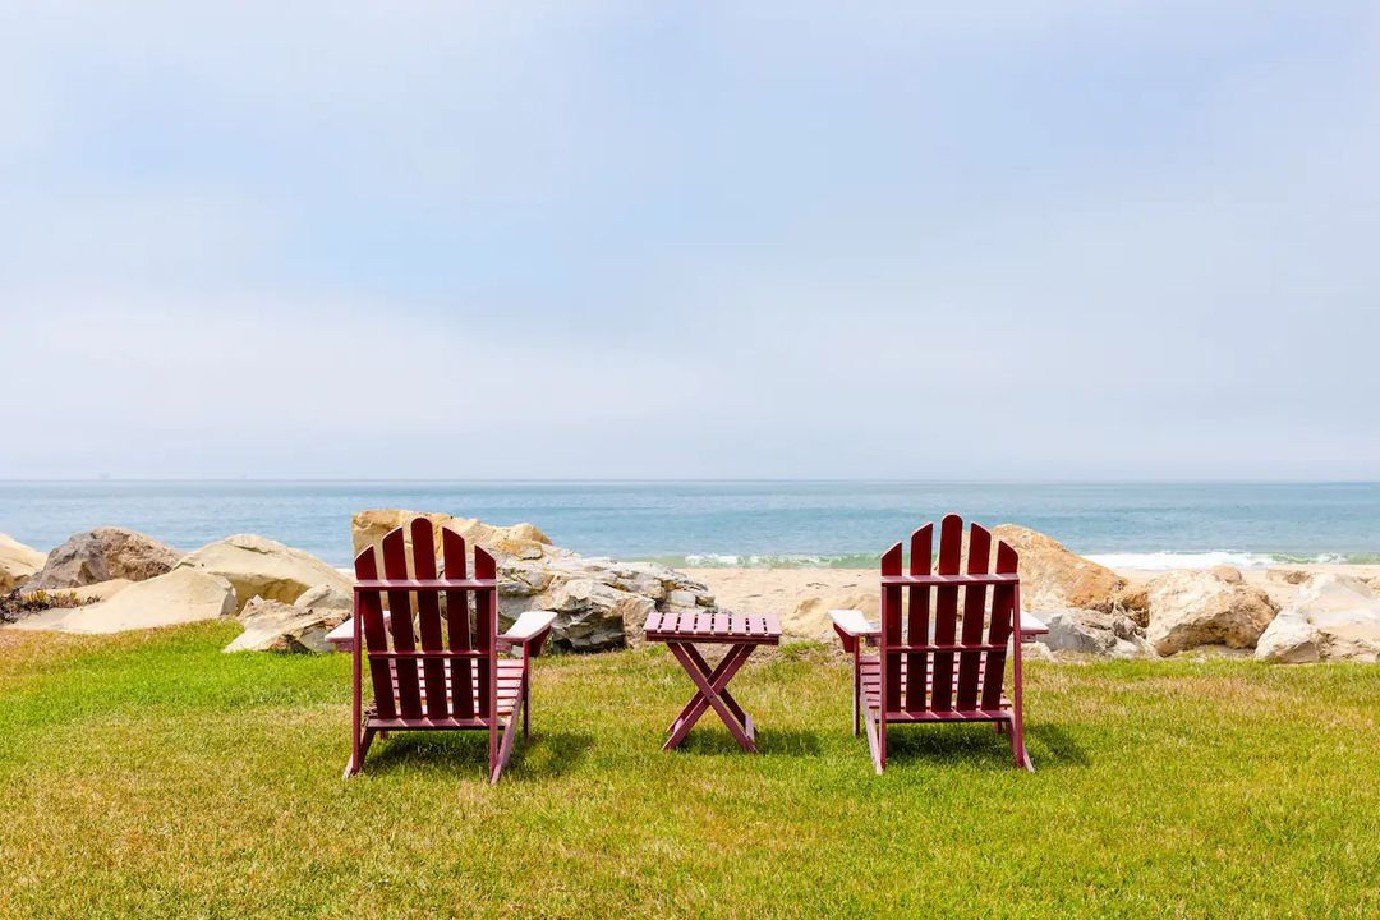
1335	617
1189	609
272	626
1053	578
523	541
369	527
326	597
1288	576
1134	601
1090	632
101	590
18	562
257	566
1290	639
600	603
593	615
181	596
1230	575
101	555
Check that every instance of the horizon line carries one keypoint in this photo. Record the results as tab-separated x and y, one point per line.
692	479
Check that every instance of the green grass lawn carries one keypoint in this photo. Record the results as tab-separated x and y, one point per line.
153	776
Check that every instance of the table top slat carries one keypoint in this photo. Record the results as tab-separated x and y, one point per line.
712	626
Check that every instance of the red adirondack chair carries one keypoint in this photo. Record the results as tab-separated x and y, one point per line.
461	677
940	658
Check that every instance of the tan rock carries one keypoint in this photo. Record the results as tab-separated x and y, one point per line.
1189	609
181	596
1288	576
1335	617
272	626
1227	573
257	566
103	554
326	597
1054	578
524	541
18	562
600	603
100	591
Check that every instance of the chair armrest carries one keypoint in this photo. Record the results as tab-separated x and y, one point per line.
342	638
530	630
851	626
1032	627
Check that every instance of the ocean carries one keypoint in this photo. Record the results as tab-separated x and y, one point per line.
824	523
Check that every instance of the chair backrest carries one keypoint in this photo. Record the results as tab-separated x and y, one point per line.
947	629
430	623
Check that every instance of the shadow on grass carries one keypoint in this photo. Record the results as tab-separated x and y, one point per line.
978	745
776	741
545	755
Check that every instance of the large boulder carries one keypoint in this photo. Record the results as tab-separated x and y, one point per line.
593	614
18	562
1054	578
1193	608
1334	617
181	596
1089	632
599	603
272	626
259	567
523	541
103	554
326	597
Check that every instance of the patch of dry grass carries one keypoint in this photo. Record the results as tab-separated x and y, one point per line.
151	775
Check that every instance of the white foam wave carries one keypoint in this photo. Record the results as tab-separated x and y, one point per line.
713	560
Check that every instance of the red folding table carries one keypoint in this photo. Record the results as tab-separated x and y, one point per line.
682	631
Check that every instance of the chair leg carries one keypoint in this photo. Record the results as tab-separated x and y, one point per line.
857	697
360	749
526	706
1018	749
876	742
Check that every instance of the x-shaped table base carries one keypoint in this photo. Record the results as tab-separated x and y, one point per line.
712	691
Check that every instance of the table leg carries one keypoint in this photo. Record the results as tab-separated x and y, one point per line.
698	703
711	692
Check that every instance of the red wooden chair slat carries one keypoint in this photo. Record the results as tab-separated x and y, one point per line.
429	619
458	621
369	611
974	617
486	624
918	614
400	621
946	611
933	670
891	629
1004	599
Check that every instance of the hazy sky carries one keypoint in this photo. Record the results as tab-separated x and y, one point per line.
1015	240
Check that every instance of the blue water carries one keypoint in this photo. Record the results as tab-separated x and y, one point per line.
829	522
